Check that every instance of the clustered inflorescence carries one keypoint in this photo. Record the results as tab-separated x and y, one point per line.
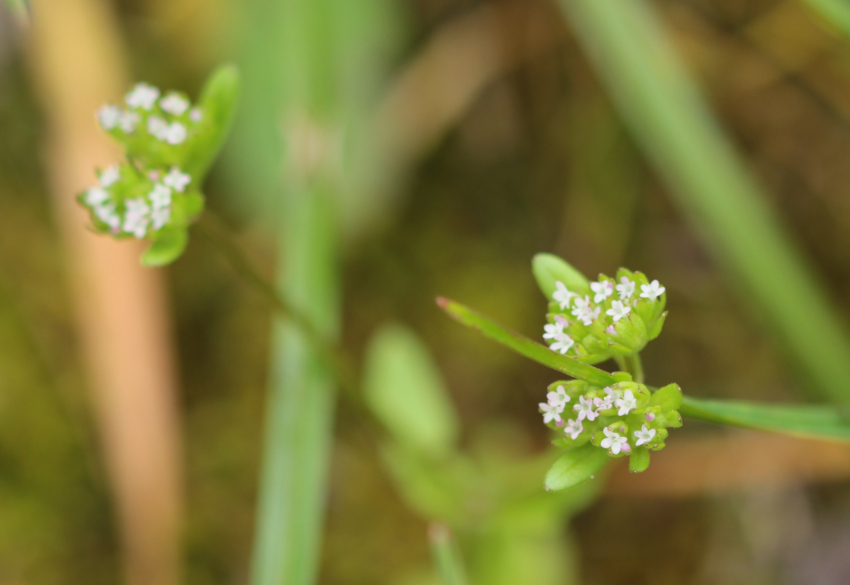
611	318
595	321
151	191
621	418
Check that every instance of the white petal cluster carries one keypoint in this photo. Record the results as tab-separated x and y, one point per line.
652	291
585	409
560	341
555	405
143	96
644	436
164	119
174	104
615	442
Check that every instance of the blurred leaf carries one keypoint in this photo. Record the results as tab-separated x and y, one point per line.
20	9
403	388
669	118
218	104
835	12
525	346
816	422
576	466
549	269
166	248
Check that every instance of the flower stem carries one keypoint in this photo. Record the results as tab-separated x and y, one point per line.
634	366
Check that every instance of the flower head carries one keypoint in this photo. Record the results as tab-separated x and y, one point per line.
626	404
585	409
160	196
109	176
563	343
177	180
136	218
603	290
618	310
652	291
196	115
109	116
142	96
626	288
174	104
613	441
95	196
574	428
175	133
550	413
562	295
644	436
128	121
584	311
558	398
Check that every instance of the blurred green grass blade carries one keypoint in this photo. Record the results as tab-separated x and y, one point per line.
525	346
446	555
834	12
20	9
403	387
808	421
671	121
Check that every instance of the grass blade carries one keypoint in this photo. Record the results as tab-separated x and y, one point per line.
835	12
674	126
817	422
523	345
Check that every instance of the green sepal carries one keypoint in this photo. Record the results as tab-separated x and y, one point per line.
639	460
168	244
549	269
575	466
655	330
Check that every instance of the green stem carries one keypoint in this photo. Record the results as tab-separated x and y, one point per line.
446	556
634	366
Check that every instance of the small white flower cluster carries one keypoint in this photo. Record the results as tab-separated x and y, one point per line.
146	106
605	415
141	214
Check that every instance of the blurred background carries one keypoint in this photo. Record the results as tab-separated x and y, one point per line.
133	401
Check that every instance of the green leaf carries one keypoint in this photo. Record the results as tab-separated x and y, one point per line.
576	466
218	104
667	398
166	248
639	460
402	386
525	346
809	421
671	121
549	269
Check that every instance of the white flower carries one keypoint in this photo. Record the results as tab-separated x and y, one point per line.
644	436
603	403
128	121
550	413
603	290
626	289
558	398
96	196
613	394
562	295
109	116
554	330
175	134
142	96
574	428
562	344
585	409
618	310
626	404
177	180
160	217
174	104
109	176
137	217
583	310
195	115
652	291
160	196
613	441
106	214
157	127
